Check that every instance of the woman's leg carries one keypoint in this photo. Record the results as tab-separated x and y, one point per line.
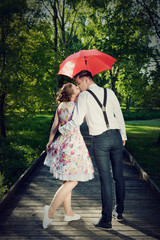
60	197
67	205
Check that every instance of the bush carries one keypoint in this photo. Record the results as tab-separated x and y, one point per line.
15	159
3	187
26	139
141	115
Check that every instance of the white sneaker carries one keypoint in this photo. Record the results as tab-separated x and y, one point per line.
72	218
46	219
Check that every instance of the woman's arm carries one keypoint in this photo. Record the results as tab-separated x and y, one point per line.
53	131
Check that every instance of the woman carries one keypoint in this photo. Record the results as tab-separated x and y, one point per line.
67	156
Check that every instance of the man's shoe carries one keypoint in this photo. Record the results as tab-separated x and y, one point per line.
103	224
46	219
71	218
118	216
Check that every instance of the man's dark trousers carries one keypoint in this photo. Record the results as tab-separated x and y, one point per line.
108	152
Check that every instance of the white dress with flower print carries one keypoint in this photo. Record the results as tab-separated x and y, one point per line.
68	157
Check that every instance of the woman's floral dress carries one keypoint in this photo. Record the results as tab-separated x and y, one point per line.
68	157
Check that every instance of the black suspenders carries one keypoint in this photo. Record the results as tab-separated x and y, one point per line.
103	107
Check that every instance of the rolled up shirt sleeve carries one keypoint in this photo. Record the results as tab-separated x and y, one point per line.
119	116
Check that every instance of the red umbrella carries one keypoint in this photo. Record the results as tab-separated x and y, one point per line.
91	60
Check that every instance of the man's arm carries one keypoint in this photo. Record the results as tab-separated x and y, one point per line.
78	116
119	117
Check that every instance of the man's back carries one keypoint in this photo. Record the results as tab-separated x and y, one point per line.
88	107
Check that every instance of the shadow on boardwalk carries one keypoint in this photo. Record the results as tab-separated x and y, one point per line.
22	219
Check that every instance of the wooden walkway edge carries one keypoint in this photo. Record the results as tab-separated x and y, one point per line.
22	212
144	174
16	186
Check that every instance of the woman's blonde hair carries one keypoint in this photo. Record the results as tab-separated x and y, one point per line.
65	93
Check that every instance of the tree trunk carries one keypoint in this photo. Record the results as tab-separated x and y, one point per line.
2	116
63	24
3	85
158	141
113	82
128	103
61	82
55	26
114	77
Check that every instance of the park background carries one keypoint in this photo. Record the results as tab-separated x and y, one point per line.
37	35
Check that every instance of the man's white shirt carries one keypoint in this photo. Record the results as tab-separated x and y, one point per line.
87	107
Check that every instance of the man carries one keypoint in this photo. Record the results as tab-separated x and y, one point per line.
108	142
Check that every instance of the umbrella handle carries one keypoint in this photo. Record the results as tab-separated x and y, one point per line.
85	60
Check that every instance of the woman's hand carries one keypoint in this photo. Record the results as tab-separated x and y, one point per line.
48	147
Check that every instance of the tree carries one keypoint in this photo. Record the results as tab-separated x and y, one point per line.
123	32
11	12
36	38
149	10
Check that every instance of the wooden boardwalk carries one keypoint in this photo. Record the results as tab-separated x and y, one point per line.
22	218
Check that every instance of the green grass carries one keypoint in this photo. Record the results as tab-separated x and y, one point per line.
26	139
142	143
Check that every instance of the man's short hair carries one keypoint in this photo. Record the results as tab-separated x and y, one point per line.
83	73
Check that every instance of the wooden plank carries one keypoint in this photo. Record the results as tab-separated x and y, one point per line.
22	218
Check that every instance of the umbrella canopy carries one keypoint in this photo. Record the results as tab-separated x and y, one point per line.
92	60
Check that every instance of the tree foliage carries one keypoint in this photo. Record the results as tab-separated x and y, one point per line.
36	36
10	15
